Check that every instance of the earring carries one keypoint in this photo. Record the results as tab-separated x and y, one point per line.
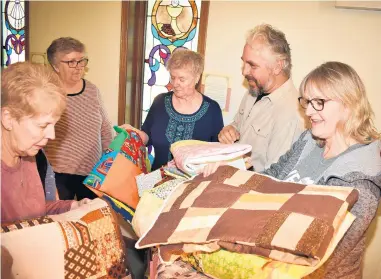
8	128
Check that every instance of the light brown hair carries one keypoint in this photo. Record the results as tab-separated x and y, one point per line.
29	89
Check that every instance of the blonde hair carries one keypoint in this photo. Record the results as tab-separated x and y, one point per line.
182	58
339	81
29	89
63	45
276	41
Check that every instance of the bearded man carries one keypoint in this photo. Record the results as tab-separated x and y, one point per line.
268	118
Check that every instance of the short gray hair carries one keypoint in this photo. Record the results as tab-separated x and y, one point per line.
63	45
183	57
276	41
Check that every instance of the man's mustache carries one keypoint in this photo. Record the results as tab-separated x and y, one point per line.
249	78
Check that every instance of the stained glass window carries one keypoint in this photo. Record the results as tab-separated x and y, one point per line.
13	21
170	24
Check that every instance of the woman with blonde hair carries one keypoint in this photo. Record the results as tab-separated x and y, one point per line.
342	148
32	101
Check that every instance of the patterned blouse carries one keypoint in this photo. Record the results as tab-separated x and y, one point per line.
164	125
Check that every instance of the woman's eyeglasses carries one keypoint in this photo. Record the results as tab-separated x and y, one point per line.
74	64
317	104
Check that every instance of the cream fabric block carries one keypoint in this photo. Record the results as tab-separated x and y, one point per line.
240	177
37	256
339	192
295	223
192	196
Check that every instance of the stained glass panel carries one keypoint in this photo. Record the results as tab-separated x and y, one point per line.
170	24
13	20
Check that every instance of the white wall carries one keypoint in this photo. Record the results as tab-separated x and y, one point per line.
97	25
316	31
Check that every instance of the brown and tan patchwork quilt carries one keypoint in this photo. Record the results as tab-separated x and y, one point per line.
82	243
246	212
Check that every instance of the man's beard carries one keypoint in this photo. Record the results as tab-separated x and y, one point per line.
257	90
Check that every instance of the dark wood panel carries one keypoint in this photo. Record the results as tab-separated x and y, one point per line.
123	63
138	63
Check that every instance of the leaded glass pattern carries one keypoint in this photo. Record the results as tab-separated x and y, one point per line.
13	20
170	25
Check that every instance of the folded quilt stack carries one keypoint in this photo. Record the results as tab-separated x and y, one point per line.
192	155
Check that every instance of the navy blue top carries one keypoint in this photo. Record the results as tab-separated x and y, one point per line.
164	125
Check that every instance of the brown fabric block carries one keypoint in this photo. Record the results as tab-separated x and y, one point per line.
316	239
255	182
218	196
222	173
275	187
80	262
264	239
160	234
189	188
320	206
352	199
240	225
18	225
92	216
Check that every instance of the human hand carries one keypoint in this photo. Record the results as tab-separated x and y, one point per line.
77	204
210	168
248	161
141	134
228	135
128	127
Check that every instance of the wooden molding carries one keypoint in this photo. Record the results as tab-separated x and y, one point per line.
361	5
138	63
123	63
201	47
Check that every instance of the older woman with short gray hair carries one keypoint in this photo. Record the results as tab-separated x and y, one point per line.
183	113
84	129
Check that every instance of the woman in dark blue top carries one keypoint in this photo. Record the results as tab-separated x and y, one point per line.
164	125
183	113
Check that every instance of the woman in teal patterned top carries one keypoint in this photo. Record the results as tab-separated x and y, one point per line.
183	113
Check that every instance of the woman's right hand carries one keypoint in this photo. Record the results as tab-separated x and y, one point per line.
142	134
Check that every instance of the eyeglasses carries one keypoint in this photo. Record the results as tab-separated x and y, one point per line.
317	104
74	64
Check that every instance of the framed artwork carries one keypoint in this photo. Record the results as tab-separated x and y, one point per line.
218	88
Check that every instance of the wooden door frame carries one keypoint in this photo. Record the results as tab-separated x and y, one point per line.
138	57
